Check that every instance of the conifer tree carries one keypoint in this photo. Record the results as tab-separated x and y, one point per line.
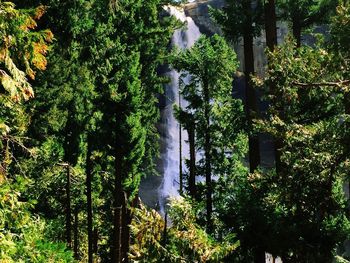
304	13
242	20
133	48
211	63
308	194
23	52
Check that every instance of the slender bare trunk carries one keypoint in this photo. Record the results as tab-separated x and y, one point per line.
180	152
192	176
118	204
271	42
117	235
251	98
89	198
347	111
251	101
76	233
165	230
68	209
207	154
259	256
270	24
296	28
125	234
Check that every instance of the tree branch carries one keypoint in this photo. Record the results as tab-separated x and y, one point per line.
322	84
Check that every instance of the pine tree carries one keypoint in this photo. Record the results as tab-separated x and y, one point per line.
304	13
211	64
133	48
308	193
242	20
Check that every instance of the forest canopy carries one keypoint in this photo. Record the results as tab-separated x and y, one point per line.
93	95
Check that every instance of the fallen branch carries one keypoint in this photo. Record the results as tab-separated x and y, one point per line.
322	84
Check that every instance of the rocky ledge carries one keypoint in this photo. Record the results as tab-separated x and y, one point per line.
199	12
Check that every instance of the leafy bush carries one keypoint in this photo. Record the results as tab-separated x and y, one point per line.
22	236
182	241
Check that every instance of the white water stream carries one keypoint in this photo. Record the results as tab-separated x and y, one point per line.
182	38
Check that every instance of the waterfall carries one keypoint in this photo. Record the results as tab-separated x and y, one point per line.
182	38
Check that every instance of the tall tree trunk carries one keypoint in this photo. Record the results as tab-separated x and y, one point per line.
251	101
180	152
68	209
165	230
296	28
192	176
259	256
347	111
95	241
207	154
89	198
251	98
271	42
270	24
76	233
118	203
125	241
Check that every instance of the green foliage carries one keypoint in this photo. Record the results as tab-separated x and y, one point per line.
301	208
21	51
183	241
22	46
217	117
234	16
107	91
340	30
191	239
22	235
339	259
101	82
307	12
302	14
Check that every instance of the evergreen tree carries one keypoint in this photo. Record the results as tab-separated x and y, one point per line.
307	198
134	45
62	121
242	20
217	116
304	13
23	51
84	108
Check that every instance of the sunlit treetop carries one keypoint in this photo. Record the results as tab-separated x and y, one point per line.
22	50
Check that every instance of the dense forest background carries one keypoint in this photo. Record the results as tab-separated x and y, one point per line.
79	107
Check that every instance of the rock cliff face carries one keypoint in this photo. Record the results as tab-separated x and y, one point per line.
199	11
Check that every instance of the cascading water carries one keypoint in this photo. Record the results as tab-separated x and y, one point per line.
182	38
169	128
